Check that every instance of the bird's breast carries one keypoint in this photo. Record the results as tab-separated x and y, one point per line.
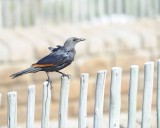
71	54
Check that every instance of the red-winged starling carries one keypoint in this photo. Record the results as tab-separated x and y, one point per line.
59	58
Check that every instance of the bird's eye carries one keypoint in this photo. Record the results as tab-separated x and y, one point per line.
74	39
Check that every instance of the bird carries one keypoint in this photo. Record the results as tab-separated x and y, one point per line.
59	58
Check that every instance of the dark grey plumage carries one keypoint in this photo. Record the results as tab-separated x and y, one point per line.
59	58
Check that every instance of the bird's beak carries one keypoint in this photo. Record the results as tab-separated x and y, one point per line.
81	39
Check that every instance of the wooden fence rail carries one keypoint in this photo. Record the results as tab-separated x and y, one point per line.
115	100
30	12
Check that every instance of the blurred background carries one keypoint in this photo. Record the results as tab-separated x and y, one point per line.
118	33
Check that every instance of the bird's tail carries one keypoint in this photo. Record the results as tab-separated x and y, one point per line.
29	70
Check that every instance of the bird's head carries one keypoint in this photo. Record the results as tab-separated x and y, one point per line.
71	42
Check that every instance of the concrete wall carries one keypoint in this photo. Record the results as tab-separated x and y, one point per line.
107	45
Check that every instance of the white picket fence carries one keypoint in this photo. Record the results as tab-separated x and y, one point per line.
29	12
115	100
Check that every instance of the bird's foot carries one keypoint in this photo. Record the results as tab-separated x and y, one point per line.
49	81
63	74
67	75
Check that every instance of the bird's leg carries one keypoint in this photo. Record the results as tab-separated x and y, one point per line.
48	79
63	74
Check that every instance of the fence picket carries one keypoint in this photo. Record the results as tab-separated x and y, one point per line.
63	108
58	11
46	104
29	12
12	109
115	97
132	102
131	8
26	12
34	12
110	7
99	98
142	8
147	94
75	11
82	113
30	107
92	10
115	100
66	10
83	7
101	9
119	6
156	7
1	17
0	98
17	12
158	94
6	13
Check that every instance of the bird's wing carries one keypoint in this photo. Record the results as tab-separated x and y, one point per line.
54	49
51	49
54	59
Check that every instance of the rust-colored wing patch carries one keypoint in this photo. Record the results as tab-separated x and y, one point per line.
42	65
